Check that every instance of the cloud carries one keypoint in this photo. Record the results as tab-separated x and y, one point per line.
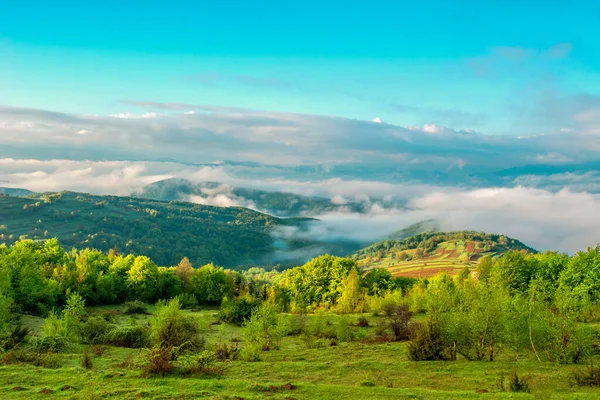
566	220
560	50
128	115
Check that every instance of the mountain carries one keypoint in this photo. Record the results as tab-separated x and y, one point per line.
164	231
4	191
280	204
426	254
427	226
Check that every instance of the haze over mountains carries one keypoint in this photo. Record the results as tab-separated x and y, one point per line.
280	204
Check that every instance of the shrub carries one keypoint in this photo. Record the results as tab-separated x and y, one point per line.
518	384
362	322
590	376
426	342
202	363
159	360
86	360
51	361
171	327
11	337
98	350
225	352
265	328
398	317
345	331
131	335
94	330
136	307
237	311
188	301
53	344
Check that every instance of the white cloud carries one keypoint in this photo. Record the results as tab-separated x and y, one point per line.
128	115
376	120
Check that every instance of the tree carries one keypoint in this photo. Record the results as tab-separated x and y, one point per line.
484	268
210	284
265	328
185	271
142	279
377	281
352	293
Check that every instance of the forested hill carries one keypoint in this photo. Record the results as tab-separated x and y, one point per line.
427	254
164	231
4	191
280	204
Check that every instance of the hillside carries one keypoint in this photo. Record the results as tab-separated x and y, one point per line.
164	231
280	204
4	191
427	254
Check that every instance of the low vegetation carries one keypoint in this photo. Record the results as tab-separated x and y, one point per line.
106	325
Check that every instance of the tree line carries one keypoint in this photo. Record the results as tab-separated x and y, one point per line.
518	303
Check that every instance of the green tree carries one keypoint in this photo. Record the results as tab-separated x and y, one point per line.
142	279
352	294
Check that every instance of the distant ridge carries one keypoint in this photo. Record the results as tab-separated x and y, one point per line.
280	204
4	191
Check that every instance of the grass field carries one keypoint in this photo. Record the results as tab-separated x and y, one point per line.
357	370
451	257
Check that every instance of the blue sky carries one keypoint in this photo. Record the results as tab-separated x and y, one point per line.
482	65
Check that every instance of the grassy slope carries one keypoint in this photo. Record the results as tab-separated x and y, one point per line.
166	232
450	255
349	370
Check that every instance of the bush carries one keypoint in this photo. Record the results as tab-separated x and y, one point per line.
587	377
136	307
237	311
86	360
345	331
266	328
159	360
362	322
53	344
518	384
426	342
202	363
95	330
398	317
225	352
12	337
188	301
131	336
171	327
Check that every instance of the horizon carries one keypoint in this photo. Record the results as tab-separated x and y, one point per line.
483	116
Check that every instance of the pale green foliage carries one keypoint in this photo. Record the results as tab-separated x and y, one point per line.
376	304
352	298
68	323
142	278
265	328
172	327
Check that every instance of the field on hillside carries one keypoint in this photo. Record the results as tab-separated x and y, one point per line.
450	257
361	369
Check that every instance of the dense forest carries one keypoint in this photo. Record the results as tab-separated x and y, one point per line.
231	237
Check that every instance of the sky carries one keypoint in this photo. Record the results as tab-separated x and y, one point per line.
464	63
490	104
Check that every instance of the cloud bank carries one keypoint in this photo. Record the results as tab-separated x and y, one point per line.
542	188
